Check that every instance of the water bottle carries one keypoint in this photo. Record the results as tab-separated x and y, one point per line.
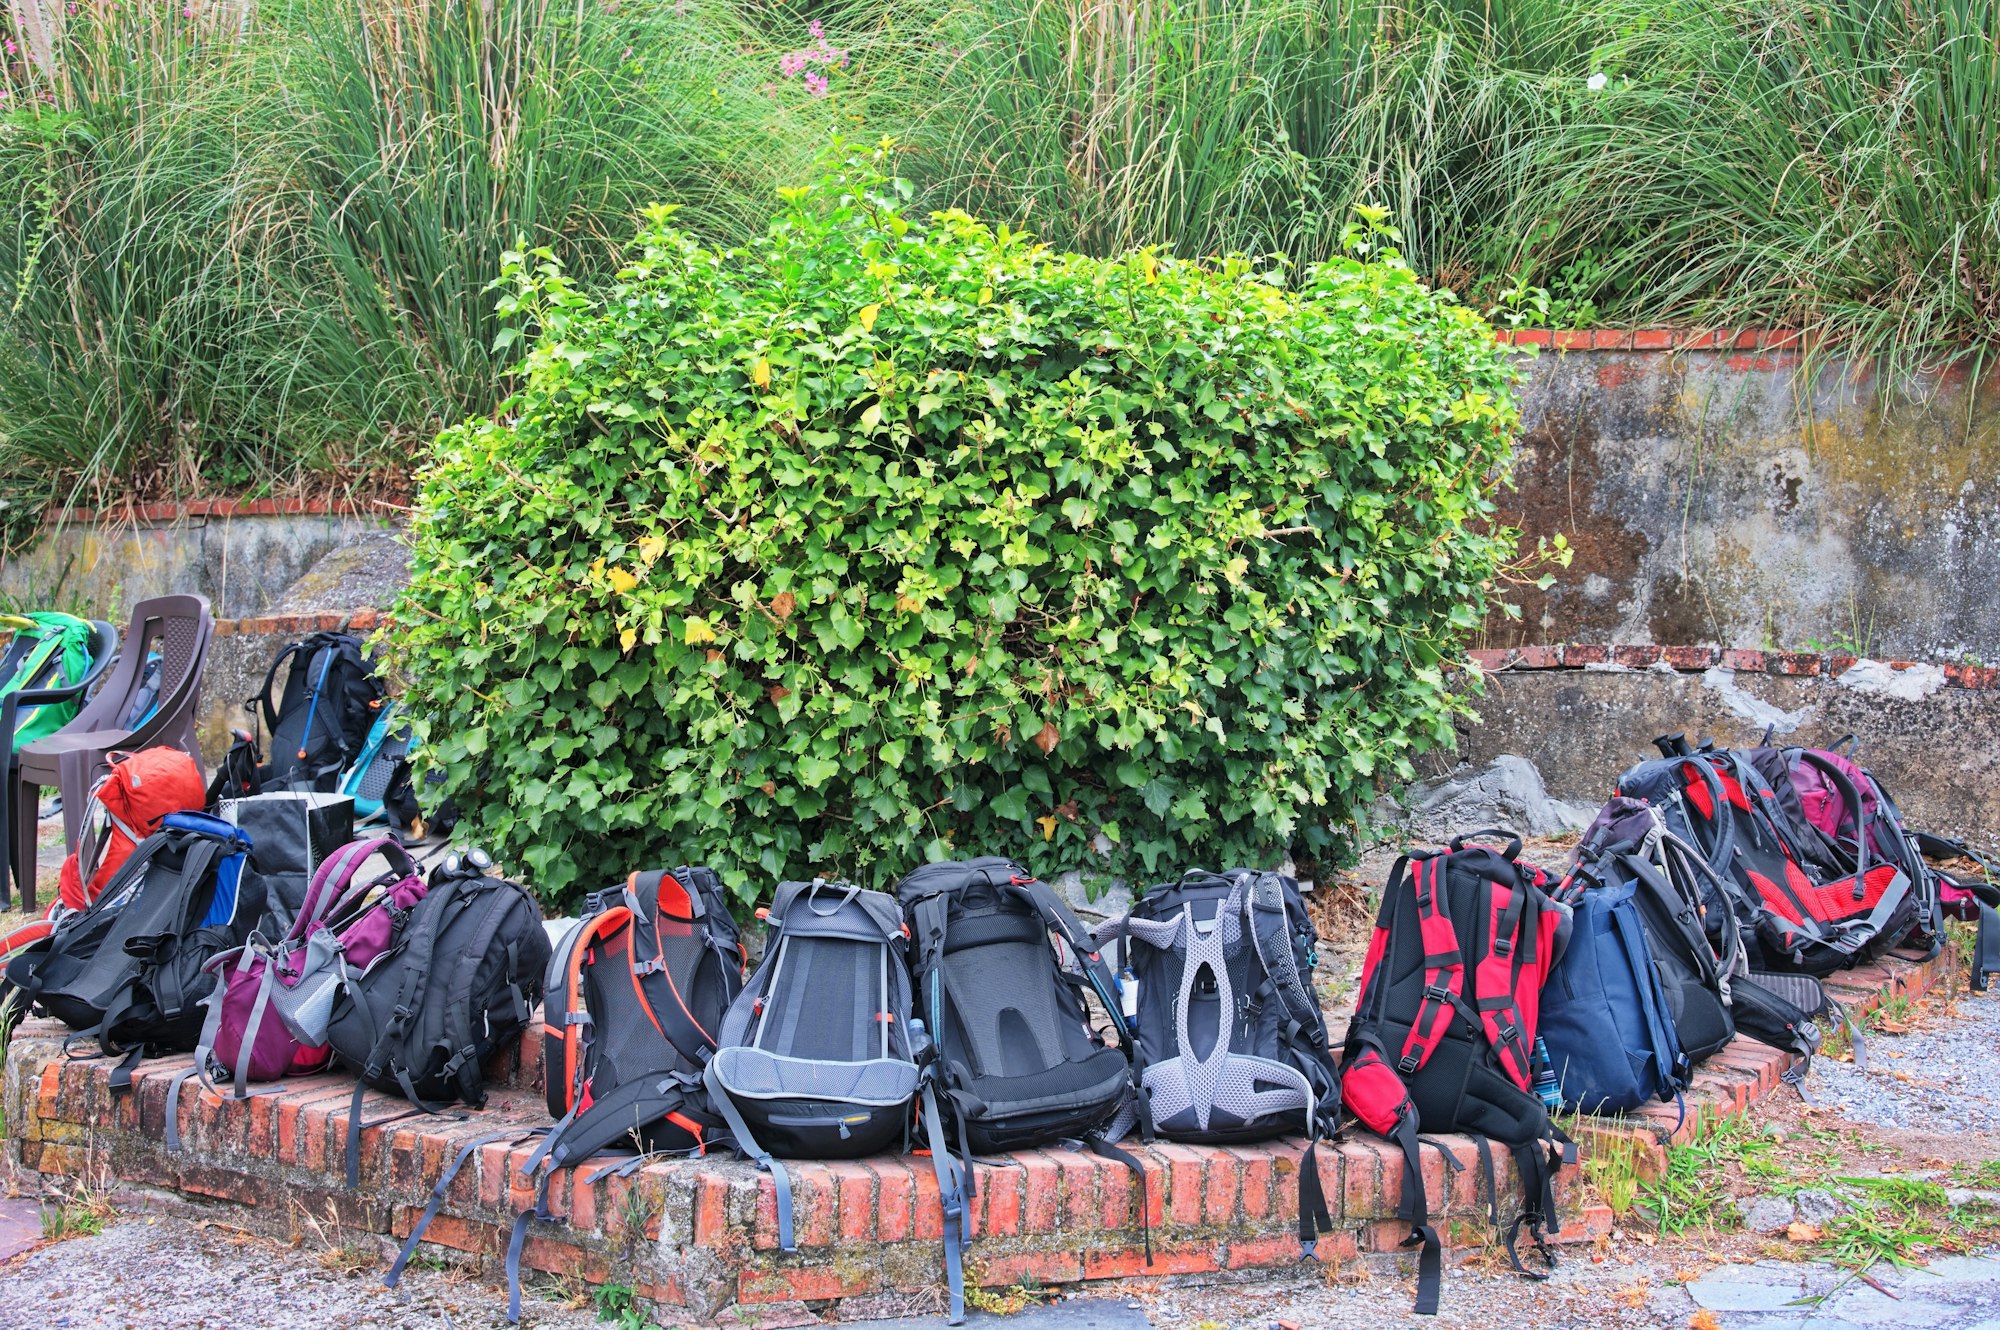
1547	1088
1128	997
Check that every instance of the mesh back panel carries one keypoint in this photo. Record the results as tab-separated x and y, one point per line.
1010	1016
832	996
177	645
375	780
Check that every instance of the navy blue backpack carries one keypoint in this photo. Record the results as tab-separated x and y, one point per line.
1605	1018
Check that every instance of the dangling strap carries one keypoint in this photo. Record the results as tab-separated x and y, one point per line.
1492	1181
1537	1201
437	1201
1314	1219
718	1098
1099	1146
1415	1211
957	1224
518	1239
121	1075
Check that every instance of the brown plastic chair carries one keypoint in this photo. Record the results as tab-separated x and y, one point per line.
73	758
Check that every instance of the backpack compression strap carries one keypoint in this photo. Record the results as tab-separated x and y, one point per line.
957	1227
1444	966
746	1141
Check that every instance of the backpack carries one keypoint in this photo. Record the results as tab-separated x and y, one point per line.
1444	1027
129	970
456	980
1013	1061
269	1013
126	806
47	650
1230	1044
816	1057
633	1001
1968	899
379	780
1804	900
320	724
1605	1020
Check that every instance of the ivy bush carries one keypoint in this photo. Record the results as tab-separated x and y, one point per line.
882	539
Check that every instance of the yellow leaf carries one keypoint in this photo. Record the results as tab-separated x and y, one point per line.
985	295
1234	570
597	569
760	373
909	604
651	548
1704	1320
1048	826
697	631
623	580
867	316
1149	265
629	638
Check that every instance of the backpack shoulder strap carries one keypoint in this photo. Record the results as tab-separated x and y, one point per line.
1444	965
1062	921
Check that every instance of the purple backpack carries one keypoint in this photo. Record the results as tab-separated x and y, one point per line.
265	1017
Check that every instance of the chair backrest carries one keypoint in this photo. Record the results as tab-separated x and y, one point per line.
179	628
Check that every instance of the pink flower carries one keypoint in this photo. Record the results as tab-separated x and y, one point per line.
816	29
815	84
11	48
187	11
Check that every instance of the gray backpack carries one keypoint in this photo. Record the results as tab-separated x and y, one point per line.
815	1057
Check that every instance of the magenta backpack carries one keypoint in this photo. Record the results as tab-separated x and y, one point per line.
266	1016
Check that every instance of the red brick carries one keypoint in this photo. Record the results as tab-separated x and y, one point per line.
1530	337
582	1198
1577	654
812	1203
1041	1191
806	1284
1839	663
466	1235
854	1201
1691	658
1792	662
1042	1267
928	1211
1736	658
711	1210
364	621
1219	1204
557	1255
50	1094
226	1184
1636	657
1972	676
1254	1181
1000	1215
896	1194
1184	1179
1371	1181
1574	339
1127	1262
1537	658
1653	339
1079	1186
1490	659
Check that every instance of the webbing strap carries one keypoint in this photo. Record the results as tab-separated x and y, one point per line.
518	1239
951	1198
1444	967
1415	1210
444	1182
746	1142
1314	1218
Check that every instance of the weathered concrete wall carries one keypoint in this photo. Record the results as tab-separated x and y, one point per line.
1720	497
1936	747
244	564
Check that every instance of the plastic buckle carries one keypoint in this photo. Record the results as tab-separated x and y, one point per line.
1437	993
1408	1066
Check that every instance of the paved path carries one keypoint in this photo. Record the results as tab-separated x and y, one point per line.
1083	1314
1950	1293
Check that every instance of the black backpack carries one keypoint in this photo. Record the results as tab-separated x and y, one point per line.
1443	1032
458	982
321	723
1013	1061
815	1059
127	970
1231	1044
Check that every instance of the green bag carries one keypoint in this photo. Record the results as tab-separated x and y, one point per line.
49	649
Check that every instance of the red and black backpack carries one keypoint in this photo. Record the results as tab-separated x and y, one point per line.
1824	876
1443	1034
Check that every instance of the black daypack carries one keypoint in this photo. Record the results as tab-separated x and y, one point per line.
320	724
127	970
1013	1061
815	1059
1230	1042
458	982
1444	1029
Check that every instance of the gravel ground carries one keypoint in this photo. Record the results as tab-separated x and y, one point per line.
1935	1067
